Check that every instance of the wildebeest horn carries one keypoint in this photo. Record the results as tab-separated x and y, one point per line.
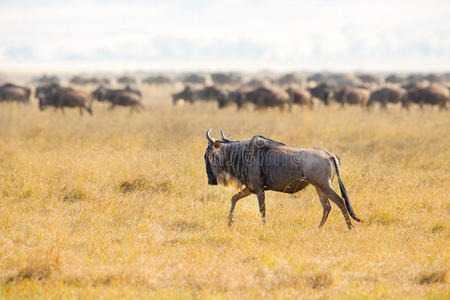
224	138
208	136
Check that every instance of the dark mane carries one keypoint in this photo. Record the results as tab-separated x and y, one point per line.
239	156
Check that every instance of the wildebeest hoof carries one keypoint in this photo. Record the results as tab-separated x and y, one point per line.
230	222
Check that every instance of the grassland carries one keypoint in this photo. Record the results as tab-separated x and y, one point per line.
117	206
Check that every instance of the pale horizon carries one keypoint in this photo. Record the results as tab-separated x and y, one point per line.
251	35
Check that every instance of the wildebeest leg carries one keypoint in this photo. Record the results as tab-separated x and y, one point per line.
81	110
262	206
325	205
112	106
62	109
339	202
244	193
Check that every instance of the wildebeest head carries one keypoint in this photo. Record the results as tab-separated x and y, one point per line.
214	160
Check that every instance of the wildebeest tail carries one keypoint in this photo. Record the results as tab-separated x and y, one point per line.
344	191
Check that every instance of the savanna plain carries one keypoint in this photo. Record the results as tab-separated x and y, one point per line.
117	205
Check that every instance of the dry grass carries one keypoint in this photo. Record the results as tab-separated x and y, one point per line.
117	206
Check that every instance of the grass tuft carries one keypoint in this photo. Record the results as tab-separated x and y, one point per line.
439	276
437	228
320	280
137	184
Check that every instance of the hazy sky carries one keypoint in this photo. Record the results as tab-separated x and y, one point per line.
229	35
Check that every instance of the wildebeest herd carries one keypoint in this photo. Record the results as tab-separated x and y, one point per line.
230	89
59	97
287	93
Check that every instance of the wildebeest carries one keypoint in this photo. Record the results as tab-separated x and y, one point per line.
317	77
224	78
227	98
323	92
261	164
434	78
86	80
394	78
46	79
290	79
105	94
126	80
431	95
343	80
370	78
353	96
300	97
122	97
12	92
187	94
194	79
387	95
60	97
258	83
208	93
266	98
158	79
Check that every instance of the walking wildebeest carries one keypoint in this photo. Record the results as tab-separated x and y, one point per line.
59	97
122	97
104	94
351	95
12	92
227	98
208	93
300	97
387	95
323	92
187	94
432	95
265	98
261	164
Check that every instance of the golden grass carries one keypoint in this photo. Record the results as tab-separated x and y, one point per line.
117	206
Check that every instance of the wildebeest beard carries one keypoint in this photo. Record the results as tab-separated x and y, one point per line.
212	180
227	163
